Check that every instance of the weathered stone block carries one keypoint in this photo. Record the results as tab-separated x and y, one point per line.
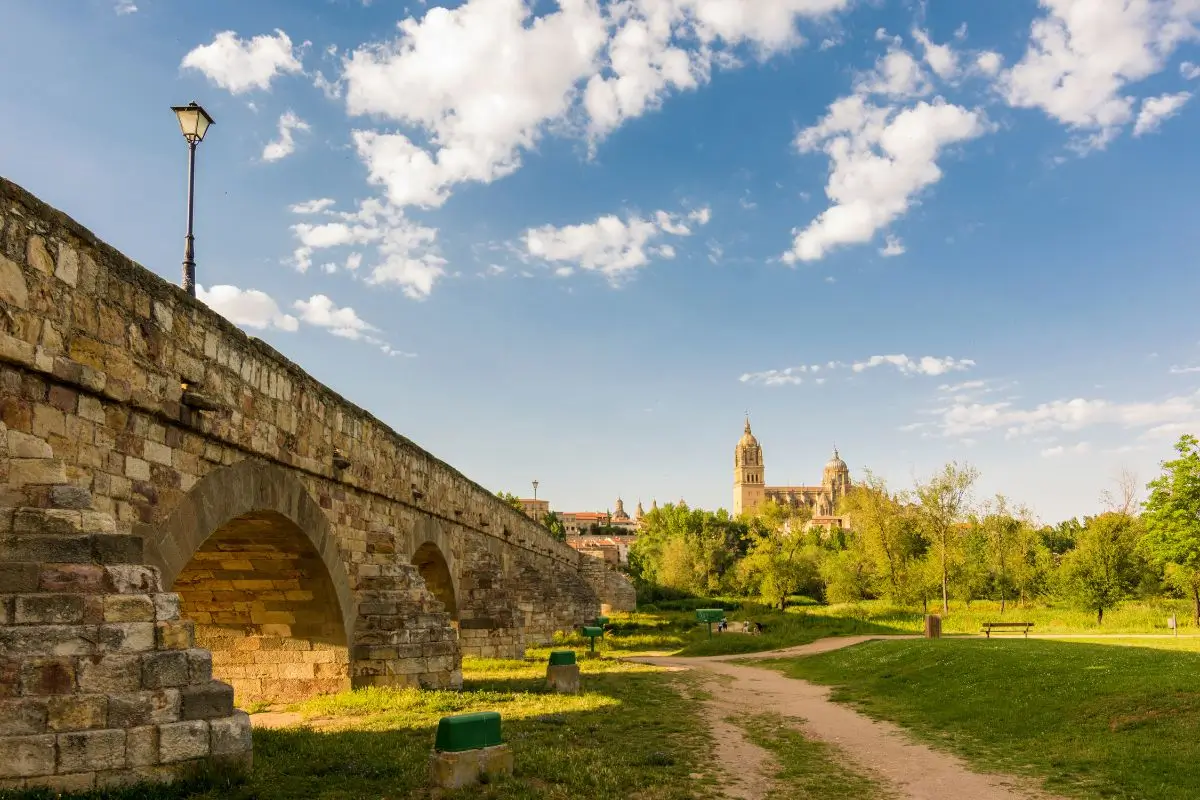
82	578
112	673
128	608
162	670
126	637
76	712
115	548
563	678
207	700
87	751
25	445
75	782
143	708
44	676
18	577
23	756
46	549
463	769
48	609
70	497
180	741
141	746
166	606
230	736
13	289
176	635
23	717
199	665
47	520
36	471
133	579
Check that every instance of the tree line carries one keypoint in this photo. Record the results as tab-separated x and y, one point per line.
935	544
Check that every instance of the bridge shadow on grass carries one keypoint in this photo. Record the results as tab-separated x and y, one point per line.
630	734
1092	720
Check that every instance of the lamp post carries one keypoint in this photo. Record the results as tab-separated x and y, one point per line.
535	485
194	122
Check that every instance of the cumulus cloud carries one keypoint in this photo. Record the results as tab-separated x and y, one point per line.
482	82
1157	417
239	65
285	145
124	7
1059	450
248	308
319	310
406	252
941	58
610	245
989	63
313	206
881	158
892	247
1155	110
1083	55
925	365
1189	71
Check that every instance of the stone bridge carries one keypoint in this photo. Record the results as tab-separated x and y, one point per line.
179	502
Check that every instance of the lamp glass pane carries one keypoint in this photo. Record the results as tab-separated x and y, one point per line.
188	120
201	125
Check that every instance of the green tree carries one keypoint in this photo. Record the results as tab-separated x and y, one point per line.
782	558
1172	520
1103	568
889	536
512	500
944	503
557	529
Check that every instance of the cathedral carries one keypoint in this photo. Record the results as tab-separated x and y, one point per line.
750	489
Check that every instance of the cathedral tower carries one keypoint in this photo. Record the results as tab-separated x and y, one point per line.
835	481
747	473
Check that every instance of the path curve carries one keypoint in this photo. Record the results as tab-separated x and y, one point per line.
909	768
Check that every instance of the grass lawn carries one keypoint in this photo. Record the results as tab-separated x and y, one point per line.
1093	720
630	734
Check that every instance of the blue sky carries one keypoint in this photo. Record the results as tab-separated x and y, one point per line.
576	242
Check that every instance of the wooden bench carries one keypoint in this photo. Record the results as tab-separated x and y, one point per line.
989	626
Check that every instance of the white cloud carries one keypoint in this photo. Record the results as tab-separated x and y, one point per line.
1189	71
407	252
892	247
285	145
484	81
989	63
1084	53
1183	370
1173	413
1155	110
124	7
941	58
249	308
881	159
312	206
319	310
610	245
240	65
925	365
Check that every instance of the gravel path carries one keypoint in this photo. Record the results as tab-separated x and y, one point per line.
908	768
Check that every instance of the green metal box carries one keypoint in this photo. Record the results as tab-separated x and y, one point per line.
710	614
591	631
562	658
468	732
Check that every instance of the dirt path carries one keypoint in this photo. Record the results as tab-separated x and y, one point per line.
912	770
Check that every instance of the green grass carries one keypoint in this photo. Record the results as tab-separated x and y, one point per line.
630	734
807	768
1092	720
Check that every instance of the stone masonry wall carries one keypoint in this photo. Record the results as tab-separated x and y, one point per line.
614	590
98	441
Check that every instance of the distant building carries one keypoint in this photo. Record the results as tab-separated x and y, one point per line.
535	509
750	489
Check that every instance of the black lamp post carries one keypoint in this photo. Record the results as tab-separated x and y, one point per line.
194	122
535	485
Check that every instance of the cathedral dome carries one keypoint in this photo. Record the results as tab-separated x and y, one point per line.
836	464
747	439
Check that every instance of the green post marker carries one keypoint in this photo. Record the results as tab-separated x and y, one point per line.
709	615
592	632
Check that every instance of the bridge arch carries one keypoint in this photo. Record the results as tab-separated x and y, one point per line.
430	561
257	568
